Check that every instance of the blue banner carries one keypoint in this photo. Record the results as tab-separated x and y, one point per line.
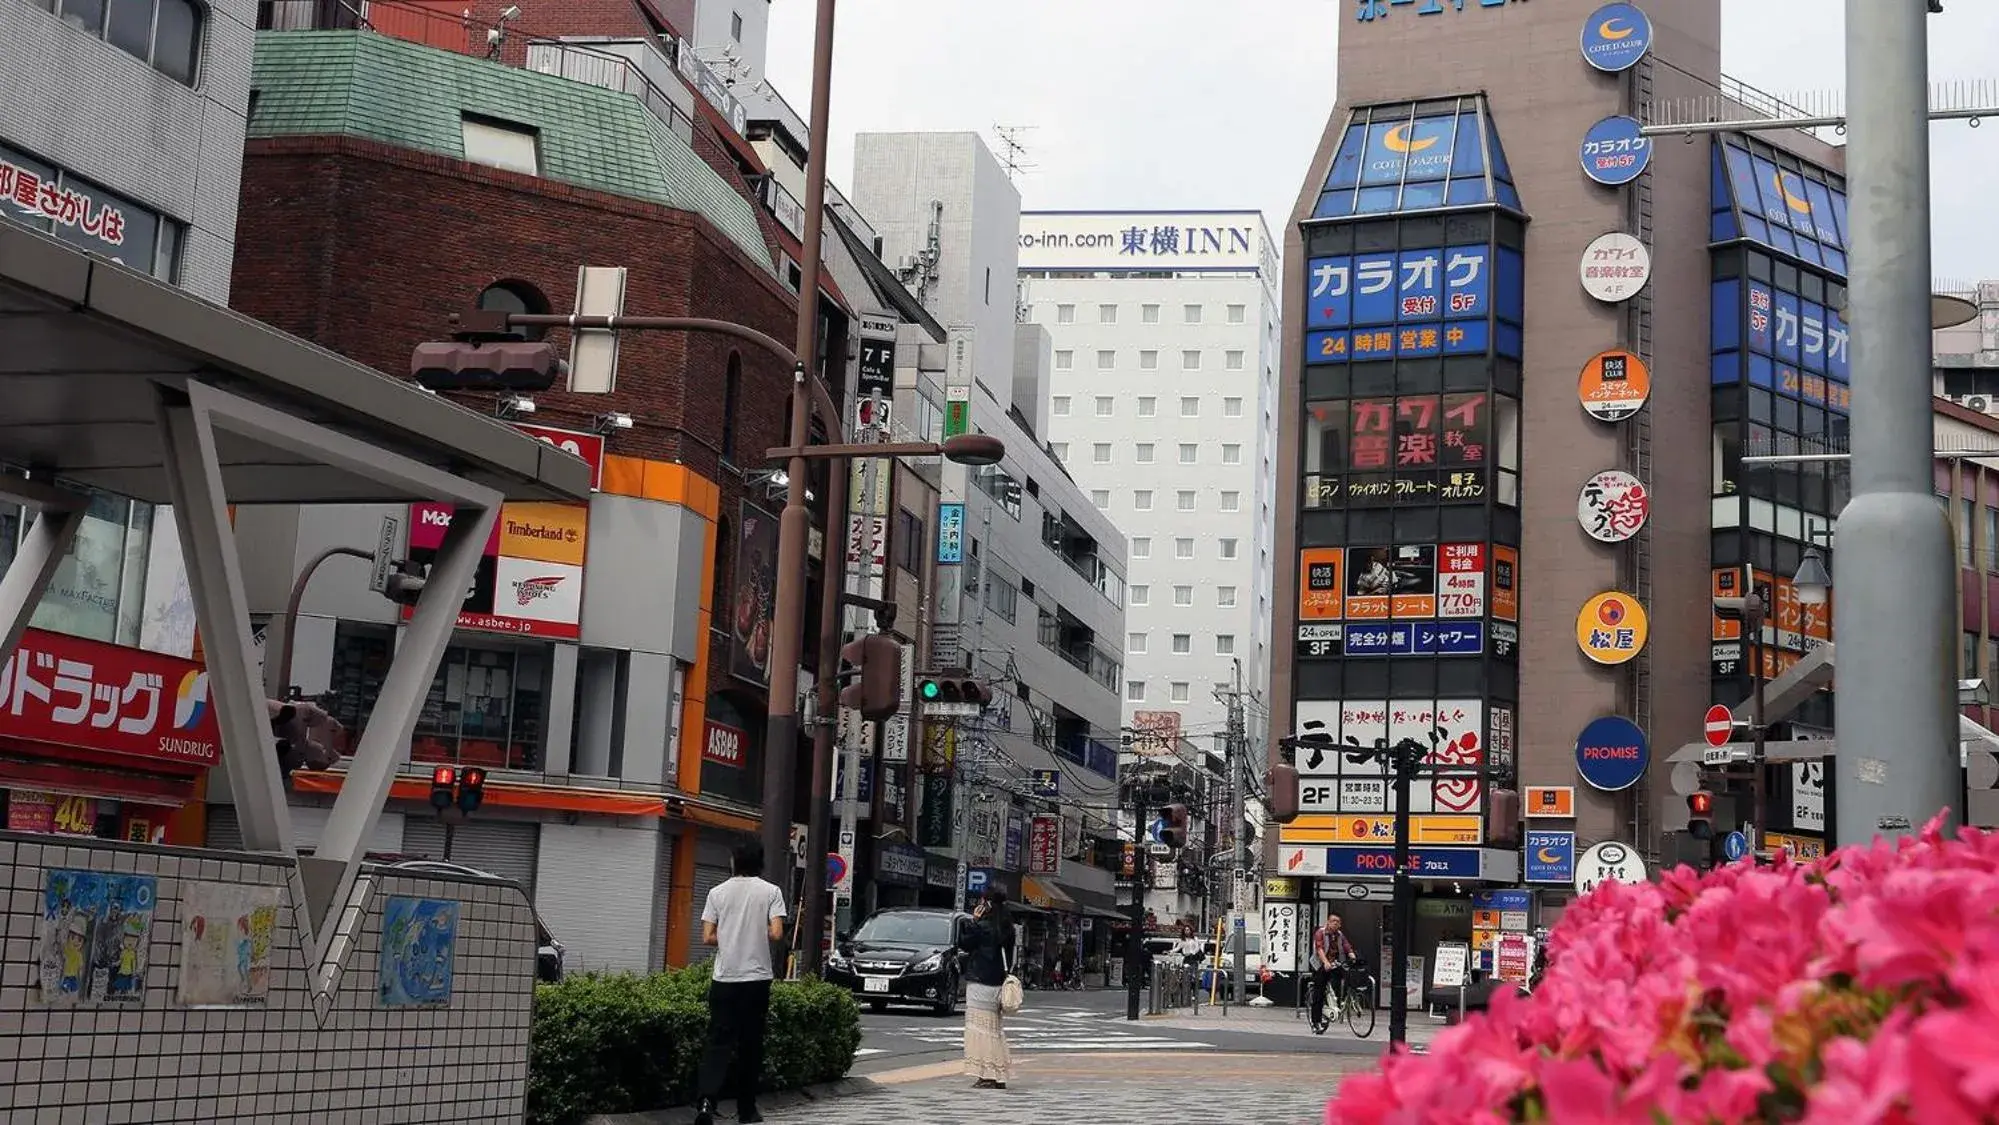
1415	638
1615	37
1549	857
950	533
1611	753
1408	150
1794	212
1503	899
1780	342
1413	304
1046	784
1425	863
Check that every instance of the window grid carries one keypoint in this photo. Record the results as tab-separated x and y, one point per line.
1148	406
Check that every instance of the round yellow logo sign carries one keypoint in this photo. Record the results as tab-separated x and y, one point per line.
1611	628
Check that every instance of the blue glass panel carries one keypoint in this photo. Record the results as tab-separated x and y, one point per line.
1839	216
1467	193
1423	197
1823	226
1725	316
1837	363
1742	178
1781	239
1468	158
1345	172
1417	340
1334	205
1329	300
1468	283
1718	195
1372	343
1811	336
1720	227
1374	289
1761	309
1838	398
1784	327
1725	370
1788	383
1510	198
1760	371
1509	285
1812	388
1755	229
1496	153
1808	250
1789	195
1466	337
1327	347
1506	340
1419	285
1836	263
1376	201
1417	150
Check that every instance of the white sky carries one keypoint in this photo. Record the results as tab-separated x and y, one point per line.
1158	104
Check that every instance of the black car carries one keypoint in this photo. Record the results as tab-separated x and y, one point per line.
903	956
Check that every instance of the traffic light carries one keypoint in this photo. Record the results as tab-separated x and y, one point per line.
955	688
471	789
874	673
1174	835
406	581
1700	814
306	736
1282	783
443	787
461	365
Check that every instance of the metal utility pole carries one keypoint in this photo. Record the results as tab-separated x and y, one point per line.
1754	614
856	736
1134	956
1404	759
1238	807
1897	721
794	527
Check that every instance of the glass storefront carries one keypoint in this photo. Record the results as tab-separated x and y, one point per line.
485	706
64	814
98	590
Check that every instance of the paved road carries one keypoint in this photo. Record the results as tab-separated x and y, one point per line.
1101	1088
1089	1022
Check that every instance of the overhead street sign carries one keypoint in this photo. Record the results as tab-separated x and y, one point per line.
1718	725
1722	755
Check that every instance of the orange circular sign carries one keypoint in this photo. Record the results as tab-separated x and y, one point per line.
1614	385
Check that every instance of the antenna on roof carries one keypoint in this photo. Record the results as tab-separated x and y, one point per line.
1013	149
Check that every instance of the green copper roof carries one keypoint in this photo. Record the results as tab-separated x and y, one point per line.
362	84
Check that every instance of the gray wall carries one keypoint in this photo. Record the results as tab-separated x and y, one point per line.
642	587
78	102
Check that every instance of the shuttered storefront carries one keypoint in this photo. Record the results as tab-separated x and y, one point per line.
505	848
665	903
711	870
594	887
308	824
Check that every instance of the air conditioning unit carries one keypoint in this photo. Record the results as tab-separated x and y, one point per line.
1980	403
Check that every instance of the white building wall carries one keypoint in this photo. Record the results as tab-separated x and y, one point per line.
1130	400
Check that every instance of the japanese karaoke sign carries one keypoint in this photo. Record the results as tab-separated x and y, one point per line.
1784	343
1370	10
69	691
1408	303
1379	452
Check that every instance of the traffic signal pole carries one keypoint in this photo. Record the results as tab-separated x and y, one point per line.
812	891
1405	758
1141	859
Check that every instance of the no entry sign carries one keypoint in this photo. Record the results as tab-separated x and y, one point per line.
1718	725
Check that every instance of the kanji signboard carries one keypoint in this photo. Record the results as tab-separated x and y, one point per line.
68	691
1612	506
1611	627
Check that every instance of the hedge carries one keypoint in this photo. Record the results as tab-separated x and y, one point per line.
622	1043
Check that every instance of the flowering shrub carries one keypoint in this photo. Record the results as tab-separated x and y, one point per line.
1859	989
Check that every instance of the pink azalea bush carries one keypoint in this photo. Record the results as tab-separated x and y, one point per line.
1861	989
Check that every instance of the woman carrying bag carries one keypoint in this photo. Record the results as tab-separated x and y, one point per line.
991	990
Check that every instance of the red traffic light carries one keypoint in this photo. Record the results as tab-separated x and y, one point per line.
1700	814
1700	803
471	788
443	780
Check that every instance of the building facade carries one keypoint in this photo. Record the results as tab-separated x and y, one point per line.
1162	404
121	133
1030	586
1487	561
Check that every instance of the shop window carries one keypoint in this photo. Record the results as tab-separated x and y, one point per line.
166	34
485	708
98	588
506	145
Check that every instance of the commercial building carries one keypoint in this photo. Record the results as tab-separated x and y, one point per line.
1163	406
1030	589
121	134
1494	563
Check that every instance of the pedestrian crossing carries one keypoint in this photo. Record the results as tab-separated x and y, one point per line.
1048	1030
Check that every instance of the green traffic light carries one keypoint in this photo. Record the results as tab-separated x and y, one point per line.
931	689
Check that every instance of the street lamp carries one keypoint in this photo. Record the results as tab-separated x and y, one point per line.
1813	582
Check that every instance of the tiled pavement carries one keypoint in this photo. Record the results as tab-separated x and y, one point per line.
1100	1088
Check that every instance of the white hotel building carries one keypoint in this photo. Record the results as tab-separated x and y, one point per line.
1163	407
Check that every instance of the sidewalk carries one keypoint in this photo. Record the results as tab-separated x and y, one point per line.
1286	1021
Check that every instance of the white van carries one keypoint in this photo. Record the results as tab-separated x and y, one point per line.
1252	956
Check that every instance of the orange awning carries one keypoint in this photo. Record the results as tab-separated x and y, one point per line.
554	798
1046	895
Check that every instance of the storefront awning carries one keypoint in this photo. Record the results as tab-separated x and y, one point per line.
1045	894
72	780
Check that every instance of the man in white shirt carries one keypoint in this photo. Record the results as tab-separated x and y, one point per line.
741	919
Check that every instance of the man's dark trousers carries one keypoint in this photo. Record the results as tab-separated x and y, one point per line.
737	1014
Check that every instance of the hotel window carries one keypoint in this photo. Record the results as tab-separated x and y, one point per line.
1134	690
1141	594
1193	314
1106	314
1060	450
1101	497
1065	314
1147	406
1149	313
1228	548
1225	644
1100	453
1190	360
1148	360
1190	407
1232	360
1105	404
1225	596
1184	500
1141	547
1231	454
1179	690
1189	453
1183	644
1183	595
1141	500
1231	408
1183	548
1106	359
1231	501
1238	313
1060	406
1144	453
1134	644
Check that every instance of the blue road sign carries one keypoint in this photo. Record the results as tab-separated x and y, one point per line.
975	880
1734	846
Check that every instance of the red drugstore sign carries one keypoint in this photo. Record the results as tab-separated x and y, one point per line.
67	691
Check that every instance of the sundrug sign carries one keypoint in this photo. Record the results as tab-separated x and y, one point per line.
1167	241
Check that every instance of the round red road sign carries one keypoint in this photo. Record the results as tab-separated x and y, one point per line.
1718	725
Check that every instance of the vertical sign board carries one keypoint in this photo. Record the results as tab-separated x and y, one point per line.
950	534
1280	936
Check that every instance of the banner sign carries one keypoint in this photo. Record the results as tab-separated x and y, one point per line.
1454	729
1550	857
530	580
1044	851
1378	452
68	691
950	534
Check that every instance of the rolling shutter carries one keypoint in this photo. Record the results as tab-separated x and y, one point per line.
664	902
308	824
505	848
711	870
594	890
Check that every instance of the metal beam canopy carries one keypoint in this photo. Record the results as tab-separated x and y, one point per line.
118	382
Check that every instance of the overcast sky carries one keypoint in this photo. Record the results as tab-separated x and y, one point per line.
1140	104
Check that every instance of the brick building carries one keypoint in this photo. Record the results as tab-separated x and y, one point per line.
627	737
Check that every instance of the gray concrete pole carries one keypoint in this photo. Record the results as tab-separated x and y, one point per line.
1893	603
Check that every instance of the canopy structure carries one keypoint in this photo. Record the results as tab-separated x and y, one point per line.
115	381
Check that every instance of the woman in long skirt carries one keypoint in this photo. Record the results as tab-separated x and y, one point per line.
986	942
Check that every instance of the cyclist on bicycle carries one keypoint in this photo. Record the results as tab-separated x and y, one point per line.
1332	954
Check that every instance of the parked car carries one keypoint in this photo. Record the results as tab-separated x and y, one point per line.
548	951
903	956
1225	966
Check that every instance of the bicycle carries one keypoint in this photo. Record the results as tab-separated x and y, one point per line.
1354	1005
